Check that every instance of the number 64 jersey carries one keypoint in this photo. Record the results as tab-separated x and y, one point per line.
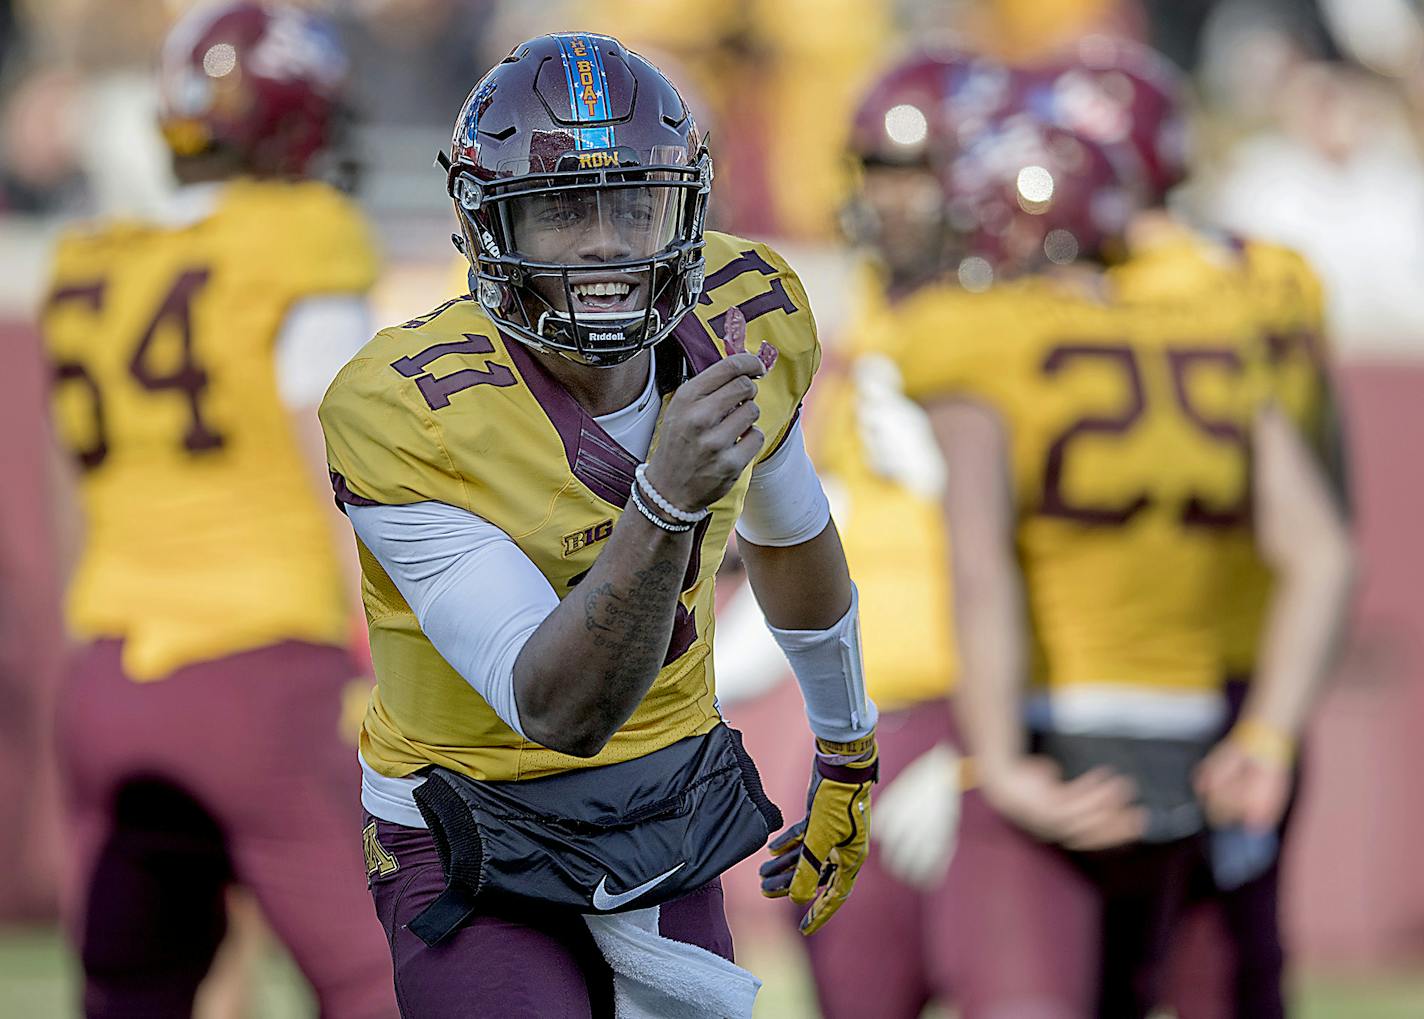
445	409
205	532
1128	424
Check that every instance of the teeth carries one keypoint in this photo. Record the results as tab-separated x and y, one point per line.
610	289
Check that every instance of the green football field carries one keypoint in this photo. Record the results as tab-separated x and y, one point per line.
36	982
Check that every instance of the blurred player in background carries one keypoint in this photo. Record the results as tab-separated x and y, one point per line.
1168	259
1235	964
893	950
1097	450
1132	100
199	729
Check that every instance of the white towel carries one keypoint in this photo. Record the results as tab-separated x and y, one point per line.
657	978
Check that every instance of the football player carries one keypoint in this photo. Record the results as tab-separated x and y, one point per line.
1132	99
893	949
199	729
1102	449
1228	959
542	478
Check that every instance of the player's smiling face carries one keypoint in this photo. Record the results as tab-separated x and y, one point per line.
589	227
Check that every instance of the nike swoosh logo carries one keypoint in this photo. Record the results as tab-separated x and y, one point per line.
606	902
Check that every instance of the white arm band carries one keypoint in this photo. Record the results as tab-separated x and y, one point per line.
828	667
475	593
785	504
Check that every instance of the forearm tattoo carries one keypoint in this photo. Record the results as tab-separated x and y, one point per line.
634	623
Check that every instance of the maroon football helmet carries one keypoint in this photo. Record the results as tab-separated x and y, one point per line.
580	180
1122	95
900	118
1024	194
263	82
911	117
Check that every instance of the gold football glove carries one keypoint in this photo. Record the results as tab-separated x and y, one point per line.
816	860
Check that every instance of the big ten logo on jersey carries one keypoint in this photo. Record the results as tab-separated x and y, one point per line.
579	540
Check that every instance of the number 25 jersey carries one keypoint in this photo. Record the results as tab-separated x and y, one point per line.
1128	426
205	530
446	409
1284	297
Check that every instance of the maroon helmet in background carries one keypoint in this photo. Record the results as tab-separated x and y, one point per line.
262	82
581	182
1025	195
911	118
1123	95
900	120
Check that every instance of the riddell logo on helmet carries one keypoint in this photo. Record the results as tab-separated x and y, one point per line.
607	336
597	160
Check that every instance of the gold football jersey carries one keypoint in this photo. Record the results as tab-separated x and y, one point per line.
1128	423
877	456
444	408
205	534
1284	297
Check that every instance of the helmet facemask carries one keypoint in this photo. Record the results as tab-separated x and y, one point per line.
595	265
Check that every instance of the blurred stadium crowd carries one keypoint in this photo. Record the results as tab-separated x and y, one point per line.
1302	106
1307	129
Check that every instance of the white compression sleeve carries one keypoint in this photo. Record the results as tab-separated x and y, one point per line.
828	668
785	504
475	593
319	335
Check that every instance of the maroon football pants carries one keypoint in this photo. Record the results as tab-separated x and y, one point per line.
891	949
1016	930
518	963
228	770
1227	958
1051	934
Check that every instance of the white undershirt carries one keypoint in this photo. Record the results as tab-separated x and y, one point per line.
444	560
318	336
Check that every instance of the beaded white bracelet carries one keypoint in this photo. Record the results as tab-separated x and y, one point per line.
657	499
658	521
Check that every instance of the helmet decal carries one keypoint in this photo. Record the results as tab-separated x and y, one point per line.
588	88
298	47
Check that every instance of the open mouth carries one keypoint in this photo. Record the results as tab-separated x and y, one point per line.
604	296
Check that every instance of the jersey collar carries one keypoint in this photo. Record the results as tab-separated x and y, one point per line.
594	456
